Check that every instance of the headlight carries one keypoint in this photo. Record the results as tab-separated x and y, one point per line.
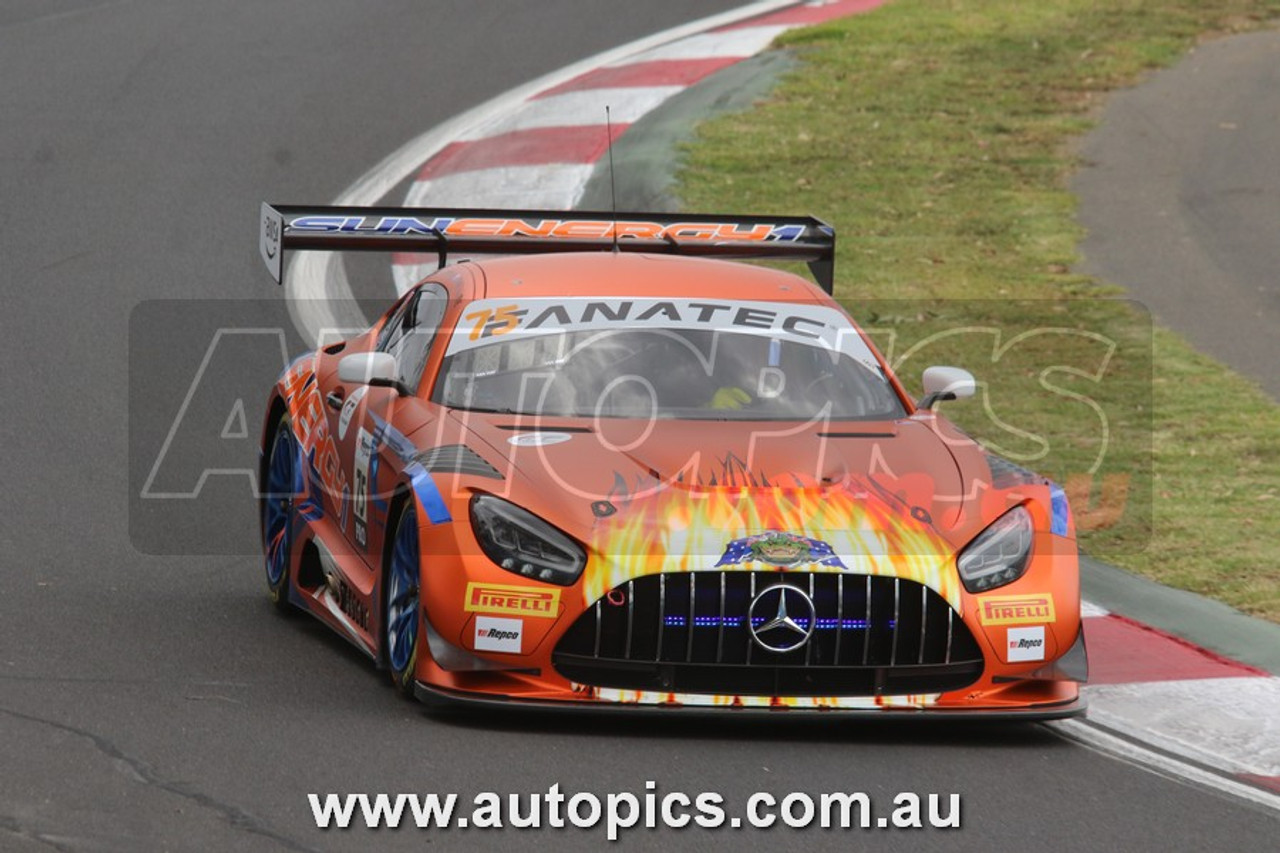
520	542
999	554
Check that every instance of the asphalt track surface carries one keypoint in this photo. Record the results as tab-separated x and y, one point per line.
155	701
1181	195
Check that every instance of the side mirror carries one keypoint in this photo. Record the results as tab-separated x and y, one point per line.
370	368
946	383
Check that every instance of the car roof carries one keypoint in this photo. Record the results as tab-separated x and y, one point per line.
604	274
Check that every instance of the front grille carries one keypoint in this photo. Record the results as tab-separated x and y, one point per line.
687	632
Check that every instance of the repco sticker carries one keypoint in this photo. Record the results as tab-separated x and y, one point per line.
1025	644
498	635
514	600
1016	610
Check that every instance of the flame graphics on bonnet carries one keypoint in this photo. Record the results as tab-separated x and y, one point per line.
682	528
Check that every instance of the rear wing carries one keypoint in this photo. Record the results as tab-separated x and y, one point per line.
442	231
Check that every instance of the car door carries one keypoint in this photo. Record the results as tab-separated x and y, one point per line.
369	425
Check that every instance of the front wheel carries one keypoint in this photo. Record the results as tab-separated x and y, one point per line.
400	634
277	512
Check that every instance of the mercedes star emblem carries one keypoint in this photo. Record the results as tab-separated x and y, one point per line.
786	618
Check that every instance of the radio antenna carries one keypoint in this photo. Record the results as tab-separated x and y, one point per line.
613	190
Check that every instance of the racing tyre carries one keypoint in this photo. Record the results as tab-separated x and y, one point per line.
400	628
277	512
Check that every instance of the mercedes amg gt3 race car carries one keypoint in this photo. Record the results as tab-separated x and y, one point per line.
614	467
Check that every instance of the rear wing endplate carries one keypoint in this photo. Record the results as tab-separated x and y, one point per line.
446	231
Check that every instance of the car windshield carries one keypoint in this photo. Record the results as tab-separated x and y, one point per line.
646	358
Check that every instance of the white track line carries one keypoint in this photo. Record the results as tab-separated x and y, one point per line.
1229	724
626	103
745	42
1169	766
1088	609
504	186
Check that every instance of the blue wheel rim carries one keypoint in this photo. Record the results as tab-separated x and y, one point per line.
279	507
402	594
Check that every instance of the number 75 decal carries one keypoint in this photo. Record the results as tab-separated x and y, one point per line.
361	485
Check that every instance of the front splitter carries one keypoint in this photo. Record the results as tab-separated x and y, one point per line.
435	696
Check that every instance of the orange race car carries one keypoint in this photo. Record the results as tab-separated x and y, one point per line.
613	469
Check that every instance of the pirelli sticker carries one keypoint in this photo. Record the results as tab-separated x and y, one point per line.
512	600
1016	610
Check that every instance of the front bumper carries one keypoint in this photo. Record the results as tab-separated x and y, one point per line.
878	645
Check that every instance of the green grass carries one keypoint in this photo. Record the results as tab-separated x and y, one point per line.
936	136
